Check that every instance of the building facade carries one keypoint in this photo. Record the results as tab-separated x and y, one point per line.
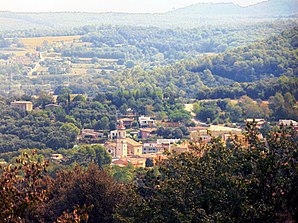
24	105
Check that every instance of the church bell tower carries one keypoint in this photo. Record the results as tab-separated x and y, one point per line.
121	145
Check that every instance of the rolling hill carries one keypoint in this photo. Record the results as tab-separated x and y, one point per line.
266	9
194	15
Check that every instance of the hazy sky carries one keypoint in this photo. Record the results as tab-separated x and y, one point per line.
105	5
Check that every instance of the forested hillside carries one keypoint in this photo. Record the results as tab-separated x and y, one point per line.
271	58
146	63
267	59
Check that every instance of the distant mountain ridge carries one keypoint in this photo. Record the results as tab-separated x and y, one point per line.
271	8
190	16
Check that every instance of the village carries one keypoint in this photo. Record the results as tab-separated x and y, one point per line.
140	145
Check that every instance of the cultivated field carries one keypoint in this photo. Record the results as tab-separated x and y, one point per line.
38	41
17	52
38	64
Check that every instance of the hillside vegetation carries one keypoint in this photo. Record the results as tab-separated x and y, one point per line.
267	59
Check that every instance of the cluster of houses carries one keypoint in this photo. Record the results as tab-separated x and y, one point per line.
27	61
136	145
126	150
125	143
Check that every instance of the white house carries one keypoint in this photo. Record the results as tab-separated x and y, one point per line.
146	122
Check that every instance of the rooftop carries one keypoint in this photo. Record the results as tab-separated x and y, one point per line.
223	128
21	102
133	142
144	118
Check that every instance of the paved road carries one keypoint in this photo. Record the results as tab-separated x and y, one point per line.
37	65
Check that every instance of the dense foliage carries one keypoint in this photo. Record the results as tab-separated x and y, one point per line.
276	56
224	111
211	183
216	183
59	127
255	68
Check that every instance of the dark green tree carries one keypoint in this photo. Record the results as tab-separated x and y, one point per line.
215	183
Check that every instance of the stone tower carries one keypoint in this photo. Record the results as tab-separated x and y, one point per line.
121	145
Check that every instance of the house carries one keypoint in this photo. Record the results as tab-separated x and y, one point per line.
146	122
219	131
127	122
24	105
137	162
120	162
183	147
200	136
167	141
146	133
57	157
134	134
165	144
260	122
160	147
149	148
113	134
90	134
204	136
239	138
288	123
134	147
170	124
52	106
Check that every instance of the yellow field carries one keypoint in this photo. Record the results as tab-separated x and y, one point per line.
38	41
82	66
18	53
85	59
78	71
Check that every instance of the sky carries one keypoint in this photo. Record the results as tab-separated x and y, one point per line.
135	6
